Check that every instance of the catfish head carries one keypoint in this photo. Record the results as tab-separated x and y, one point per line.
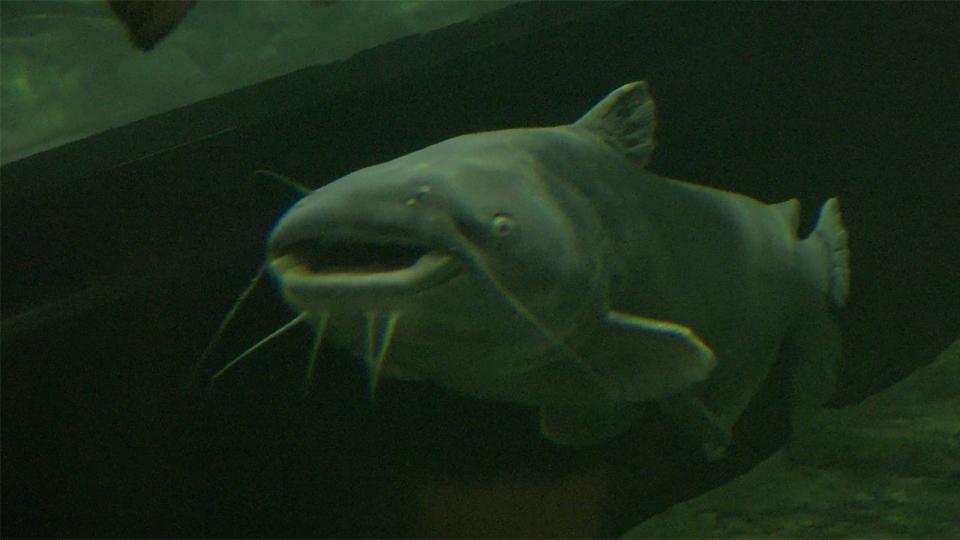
461	259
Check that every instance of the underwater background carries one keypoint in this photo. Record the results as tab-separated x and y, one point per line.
69	71
123	248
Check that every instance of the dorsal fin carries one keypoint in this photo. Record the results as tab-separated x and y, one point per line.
624	120
790	211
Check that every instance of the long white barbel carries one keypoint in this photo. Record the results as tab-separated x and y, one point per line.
379	335
295	321
315	351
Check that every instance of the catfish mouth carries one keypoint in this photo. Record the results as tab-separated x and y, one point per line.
374	266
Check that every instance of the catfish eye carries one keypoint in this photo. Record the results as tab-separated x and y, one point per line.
501	225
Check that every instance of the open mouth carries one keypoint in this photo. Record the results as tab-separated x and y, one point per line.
316	257
341	265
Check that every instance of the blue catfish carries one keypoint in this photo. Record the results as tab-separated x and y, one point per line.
549	267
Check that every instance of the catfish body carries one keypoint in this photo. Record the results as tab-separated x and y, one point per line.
549	267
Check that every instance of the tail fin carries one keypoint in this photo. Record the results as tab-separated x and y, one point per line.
832	236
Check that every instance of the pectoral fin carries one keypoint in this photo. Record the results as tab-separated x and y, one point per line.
640	359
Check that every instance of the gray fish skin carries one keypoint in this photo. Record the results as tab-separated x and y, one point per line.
549	267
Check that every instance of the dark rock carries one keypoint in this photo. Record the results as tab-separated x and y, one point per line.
887	467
